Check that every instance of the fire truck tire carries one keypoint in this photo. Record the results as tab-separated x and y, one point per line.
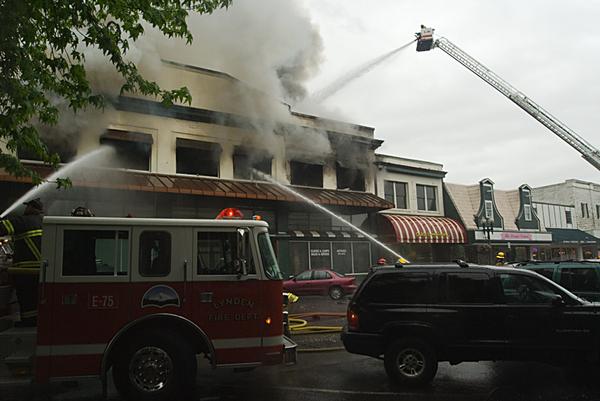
156	365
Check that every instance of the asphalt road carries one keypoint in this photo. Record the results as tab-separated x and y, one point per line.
337	375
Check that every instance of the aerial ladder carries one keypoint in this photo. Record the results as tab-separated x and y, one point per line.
425	42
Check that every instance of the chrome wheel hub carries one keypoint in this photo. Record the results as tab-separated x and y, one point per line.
411	362
150	369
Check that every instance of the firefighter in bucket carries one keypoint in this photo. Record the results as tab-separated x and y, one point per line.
26	232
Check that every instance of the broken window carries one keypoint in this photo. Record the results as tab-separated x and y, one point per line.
66	151
133	149
245	161
349	178
197	157
310	175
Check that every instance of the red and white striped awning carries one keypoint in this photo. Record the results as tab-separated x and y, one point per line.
424	229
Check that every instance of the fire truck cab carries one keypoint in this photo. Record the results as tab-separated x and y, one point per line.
145	297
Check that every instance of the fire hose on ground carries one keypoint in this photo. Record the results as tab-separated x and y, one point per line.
299	325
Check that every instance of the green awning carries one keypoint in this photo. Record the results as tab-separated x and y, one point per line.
572	236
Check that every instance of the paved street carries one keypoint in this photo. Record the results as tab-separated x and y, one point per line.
338	375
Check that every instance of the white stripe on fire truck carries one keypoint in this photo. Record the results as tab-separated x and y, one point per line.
70	349
247	342
94	349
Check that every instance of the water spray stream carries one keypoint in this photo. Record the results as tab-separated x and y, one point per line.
344	80
329	212
34	192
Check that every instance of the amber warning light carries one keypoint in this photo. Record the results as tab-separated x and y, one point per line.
230	213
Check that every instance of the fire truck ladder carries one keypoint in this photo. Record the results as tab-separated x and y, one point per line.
586	149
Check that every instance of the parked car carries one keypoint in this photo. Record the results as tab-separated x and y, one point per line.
416	316
320	282
580	277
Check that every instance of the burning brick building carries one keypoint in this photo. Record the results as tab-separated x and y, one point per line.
191	161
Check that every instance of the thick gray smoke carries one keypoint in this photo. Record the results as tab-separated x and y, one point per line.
270	45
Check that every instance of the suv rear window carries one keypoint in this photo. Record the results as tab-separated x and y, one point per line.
466	288
404	288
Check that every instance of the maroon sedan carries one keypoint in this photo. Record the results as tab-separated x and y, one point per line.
321	282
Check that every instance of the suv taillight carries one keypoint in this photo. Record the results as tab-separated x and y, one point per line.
352	319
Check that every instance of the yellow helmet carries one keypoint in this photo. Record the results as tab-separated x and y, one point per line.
500	255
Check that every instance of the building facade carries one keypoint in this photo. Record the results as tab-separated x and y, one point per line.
496	221
568	242
416	227
581	237
191	161
583	195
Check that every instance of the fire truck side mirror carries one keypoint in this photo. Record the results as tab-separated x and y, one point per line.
242	252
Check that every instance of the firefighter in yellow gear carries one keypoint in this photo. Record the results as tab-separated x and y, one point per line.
500	259
26	232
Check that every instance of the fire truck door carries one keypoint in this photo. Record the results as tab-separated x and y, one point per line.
89	297
161	268
226	296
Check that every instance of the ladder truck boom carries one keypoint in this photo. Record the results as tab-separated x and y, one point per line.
426	42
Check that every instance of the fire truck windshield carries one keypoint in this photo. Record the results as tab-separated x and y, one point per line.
267	257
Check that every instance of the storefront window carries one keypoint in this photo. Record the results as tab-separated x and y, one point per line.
342	257
298	256
361	252
320	255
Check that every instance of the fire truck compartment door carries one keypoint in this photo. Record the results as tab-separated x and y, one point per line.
227	304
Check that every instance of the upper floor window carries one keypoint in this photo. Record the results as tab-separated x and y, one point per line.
349	178
310	175
133	149
197	157
568	217
598	211
247	162
527	212
489	209
585	212
426	197
396	193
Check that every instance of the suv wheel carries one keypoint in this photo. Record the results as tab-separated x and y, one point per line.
336	293
410	361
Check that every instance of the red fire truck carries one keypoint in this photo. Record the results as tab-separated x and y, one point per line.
145	297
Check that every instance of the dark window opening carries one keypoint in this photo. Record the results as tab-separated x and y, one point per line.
66	152
197	157
349	178
245	163
95	253
155	253
568	217
130	155
310	175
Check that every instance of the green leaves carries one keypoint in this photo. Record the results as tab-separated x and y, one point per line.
41	58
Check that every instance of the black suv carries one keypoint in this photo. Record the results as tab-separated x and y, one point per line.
416	316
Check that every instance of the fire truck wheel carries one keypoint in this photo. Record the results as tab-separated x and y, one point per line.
155	366
336	293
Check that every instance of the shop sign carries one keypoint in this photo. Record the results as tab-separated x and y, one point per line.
319	252
431	234
341	252
516	236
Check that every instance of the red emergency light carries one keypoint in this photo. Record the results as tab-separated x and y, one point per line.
230	213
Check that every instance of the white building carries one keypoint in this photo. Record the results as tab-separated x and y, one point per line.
583	195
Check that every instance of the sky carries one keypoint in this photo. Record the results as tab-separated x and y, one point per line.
427	106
